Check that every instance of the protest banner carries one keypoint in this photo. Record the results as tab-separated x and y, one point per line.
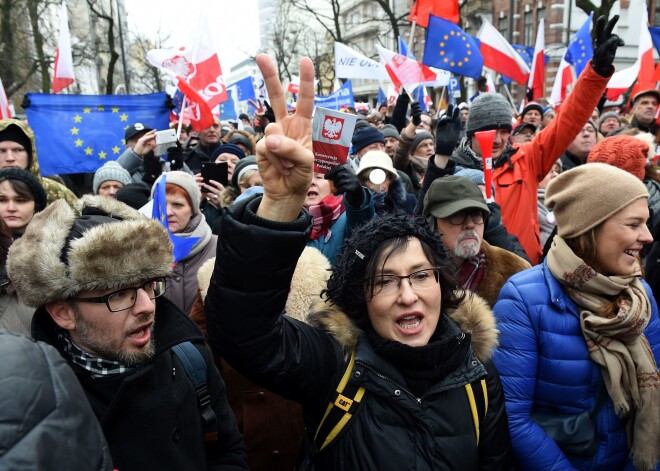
341	98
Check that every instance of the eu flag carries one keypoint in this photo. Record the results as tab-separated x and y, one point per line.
448	47
382	98
655	36
403	49
527	53
227	109
580	51
79	133
182	245
244	89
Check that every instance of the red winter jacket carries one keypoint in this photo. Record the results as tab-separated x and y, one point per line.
516	185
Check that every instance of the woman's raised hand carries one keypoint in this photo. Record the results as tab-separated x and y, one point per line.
285	155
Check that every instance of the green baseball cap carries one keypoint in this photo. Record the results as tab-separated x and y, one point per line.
451	194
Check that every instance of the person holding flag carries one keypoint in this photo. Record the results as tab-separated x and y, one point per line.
518	168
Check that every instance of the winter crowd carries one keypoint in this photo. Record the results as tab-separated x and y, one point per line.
393	313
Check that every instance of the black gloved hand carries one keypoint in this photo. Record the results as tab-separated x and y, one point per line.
175	157
346	183
447	131
605	45
153	167
416	113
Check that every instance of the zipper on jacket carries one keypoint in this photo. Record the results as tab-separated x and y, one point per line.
390	380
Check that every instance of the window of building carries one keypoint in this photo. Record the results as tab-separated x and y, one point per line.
503	26
528	30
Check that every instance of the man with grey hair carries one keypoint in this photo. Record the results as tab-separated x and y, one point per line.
457	210
97	287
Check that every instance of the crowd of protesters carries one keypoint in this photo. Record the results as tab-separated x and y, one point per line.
392	313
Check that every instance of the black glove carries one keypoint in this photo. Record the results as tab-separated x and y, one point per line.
605	45
416	113
447	131
153	167
175	157
347	183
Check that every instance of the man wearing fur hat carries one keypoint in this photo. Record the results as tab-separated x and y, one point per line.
97	288
18	150
518	168
457	210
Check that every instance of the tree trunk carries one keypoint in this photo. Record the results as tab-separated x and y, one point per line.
44	63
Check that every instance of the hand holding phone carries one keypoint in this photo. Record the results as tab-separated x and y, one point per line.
217	171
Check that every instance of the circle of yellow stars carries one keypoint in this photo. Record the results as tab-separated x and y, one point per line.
468	52
79	143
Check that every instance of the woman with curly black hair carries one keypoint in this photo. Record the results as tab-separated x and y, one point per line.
392	367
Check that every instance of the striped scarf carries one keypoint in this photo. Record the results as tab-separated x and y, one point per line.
325	214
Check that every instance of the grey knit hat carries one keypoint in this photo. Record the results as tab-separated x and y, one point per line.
421	136
185	181
110	171
609	114
389	130
583	197
488	111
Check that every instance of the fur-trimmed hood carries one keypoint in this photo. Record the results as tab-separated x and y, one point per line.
309	279
473	316
108	255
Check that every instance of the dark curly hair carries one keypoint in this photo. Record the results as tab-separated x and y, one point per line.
351	284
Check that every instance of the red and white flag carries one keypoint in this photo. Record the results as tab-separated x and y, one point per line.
500	56
563	79
447	9
331	138
198	72
5	111
403	70
294	85
537	76
641	70
63	75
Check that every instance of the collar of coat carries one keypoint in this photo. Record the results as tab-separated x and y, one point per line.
473	316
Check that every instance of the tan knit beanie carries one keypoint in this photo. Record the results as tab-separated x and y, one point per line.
583	197
625	152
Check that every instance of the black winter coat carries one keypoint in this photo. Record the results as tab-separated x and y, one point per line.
393	429
150	417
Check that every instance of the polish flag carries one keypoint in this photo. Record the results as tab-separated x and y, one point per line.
404	71
500	56
5	112
294	85
641	70
563	79
198	72
447	9
63	75
537	76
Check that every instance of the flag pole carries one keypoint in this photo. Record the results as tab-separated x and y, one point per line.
508	94
442	95
183	106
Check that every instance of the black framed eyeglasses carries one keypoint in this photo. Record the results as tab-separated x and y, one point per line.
459	218
126	298
419	280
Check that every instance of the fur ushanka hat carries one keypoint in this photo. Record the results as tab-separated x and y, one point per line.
105	245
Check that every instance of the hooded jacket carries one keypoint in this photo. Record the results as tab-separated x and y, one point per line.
150	417
45	420
393	429
54	190
521	167
500	265
544	363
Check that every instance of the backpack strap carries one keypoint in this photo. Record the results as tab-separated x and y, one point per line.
340	410
195	366
477	394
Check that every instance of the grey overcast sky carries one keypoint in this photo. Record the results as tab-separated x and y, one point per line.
234	24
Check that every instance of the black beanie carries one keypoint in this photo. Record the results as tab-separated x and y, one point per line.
366	136
15	134
135	195
37	190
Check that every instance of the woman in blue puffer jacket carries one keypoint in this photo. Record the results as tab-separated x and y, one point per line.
578	328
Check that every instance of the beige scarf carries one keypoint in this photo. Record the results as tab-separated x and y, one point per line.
618	345
419	165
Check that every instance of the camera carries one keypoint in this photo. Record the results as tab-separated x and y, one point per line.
164	139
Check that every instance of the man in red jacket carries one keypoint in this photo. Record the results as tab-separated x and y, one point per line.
519	168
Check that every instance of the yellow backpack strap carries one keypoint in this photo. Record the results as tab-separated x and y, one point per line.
478	398
340	410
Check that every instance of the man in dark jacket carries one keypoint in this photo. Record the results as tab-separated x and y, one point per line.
94	289
209	141
645	110
458	212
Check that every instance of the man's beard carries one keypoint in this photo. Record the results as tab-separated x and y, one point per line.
92	338
466	246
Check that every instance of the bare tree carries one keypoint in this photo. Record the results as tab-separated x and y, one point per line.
329	18
604	9
96	7
145	77
284	35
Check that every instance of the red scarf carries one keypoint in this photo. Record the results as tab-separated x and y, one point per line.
325	214
471	272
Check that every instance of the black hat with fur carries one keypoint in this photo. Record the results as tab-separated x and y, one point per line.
104	245
349	285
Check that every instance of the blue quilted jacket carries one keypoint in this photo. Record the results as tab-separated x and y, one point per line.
544	365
